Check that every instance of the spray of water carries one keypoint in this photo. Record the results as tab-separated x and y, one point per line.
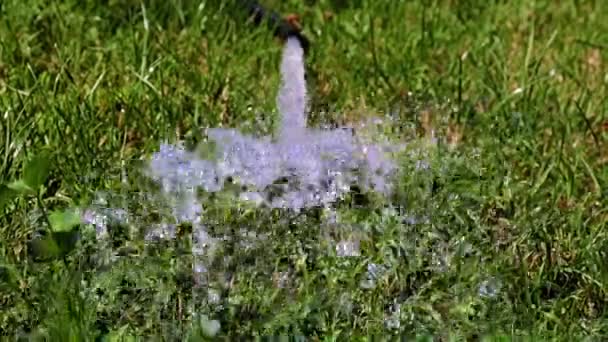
301	168
304	167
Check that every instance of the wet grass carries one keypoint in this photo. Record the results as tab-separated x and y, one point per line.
505	102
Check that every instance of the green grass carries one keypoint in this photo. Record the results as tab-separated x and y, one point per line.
515	93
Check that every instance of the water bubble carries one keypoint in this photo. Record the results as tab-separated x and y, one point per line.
213	296
200	272
102	218
374	272
253	197
99	221
161	231
348	248
200	241
392	319
441	260
490	288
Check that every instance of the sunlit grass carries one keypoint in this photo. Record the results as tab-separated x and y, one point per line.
497	226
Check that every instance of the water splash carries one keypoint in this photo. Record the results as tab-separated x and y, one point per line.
301	167
304	167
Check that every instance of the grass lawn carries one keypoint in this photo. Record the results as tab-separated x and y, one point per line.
496	228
